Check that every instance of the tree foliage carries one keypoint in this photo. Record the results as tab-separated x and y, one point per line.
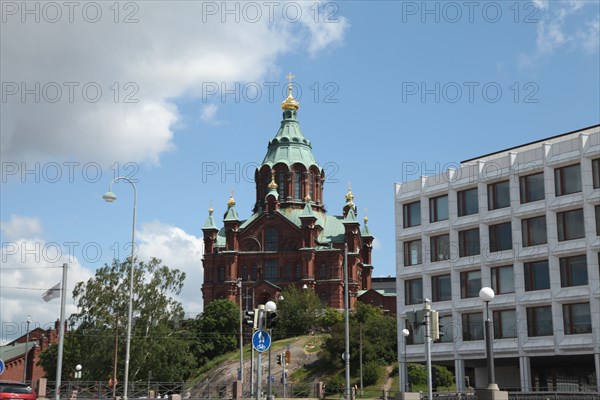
216	330
379	340
298	312
158	341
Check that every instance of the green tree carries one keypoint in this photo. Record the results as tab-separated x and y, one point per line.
298	312
329	318
158	342
216	330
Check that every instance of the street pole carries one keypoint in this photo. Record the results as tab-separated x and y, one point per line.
261	310
61	332
487	294
270	384
110	197
26	350
405	333
114	380
427	308
360	339
347	322
241	374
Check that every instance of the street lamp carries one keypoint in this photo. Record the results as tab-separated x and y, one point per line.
487	294
270	306
405	334
26	350
110	197
78	376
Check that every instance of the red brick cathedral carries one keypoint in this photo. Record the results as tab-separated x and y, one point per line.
289	239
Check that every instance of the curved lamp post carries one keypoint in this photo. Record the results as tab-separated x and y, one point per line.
405	334
270	306
487	294
110	197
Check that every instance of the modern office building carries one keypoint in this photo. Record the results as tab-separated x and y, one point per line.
526	222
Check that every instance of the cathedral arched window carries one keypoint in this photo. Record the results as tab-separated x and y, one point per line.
310	186
254	275
271	272
271	240
297	184
281	184
221	274
324	299
244	275
323	272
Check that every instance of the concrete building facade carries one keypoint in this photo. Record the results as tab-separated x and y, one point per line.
525	222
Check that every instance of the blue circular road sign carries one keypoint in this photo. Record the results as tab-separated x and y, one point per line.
261	341
2	366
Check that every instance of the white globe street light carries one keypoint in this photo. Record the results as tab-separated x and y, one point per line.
405	334
486	294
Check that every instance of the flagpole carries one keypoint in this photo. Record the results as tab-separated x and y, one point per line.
61	333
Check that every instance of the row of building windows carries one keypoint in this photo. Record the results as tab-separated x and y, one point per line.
570	225
567	180
271	272
297	190
573	272
576	320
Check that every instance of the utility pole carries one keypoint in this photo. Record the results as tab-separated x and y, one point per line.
427	309
261	311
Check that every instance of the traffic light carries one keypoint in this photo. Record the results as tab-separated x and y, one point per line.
279	359
251	318
435	325
271	319
288	357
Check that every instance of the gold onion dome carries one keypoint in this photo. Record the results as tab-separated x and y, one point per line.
210	211
231	201
349	195
366	219
290	103
272	185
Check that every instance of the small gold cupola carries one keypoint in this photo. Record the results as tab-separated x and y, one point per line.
290	103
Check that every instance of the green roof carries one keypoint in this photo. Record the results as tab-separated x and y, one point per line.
289	146
13	350
210	222
231	214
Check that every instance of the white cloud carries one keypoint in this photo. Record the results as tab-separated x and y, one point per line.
173	49
20	227
554	30
29	267
208	114
176	249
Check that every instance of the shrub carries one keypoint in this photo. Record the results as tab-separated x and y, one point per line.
372	371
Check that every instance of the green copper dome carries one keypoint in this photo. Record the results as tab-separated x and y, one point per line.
290	146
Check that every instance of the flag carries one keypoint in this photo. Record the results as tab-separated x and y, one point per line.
52	293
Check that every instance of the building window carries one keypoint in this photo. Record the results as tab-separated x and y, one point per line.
467	202
447	328
412	214
311	188
534	231
537	275
532	187
323	272
505	324
440	248
441	287
287	273
597	209
468	243
500	237
281	184
254	273
573	271
413	291
577	318
498	195
503	279
221	272
298	271
596	173
567	180
570	225
412	253
297	184
271	270
539	321
271	240
470	284
438	208
472	326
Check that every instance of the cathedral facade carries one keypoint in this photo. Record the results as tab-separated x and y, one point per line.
289	239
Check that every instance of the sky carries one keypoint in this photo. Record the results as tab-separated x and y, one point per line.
182	97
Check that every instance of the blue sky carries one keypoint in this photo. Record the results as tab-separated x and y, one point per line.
391	90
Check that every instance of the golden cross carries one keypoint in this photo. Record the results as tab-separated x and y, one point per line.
290	77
